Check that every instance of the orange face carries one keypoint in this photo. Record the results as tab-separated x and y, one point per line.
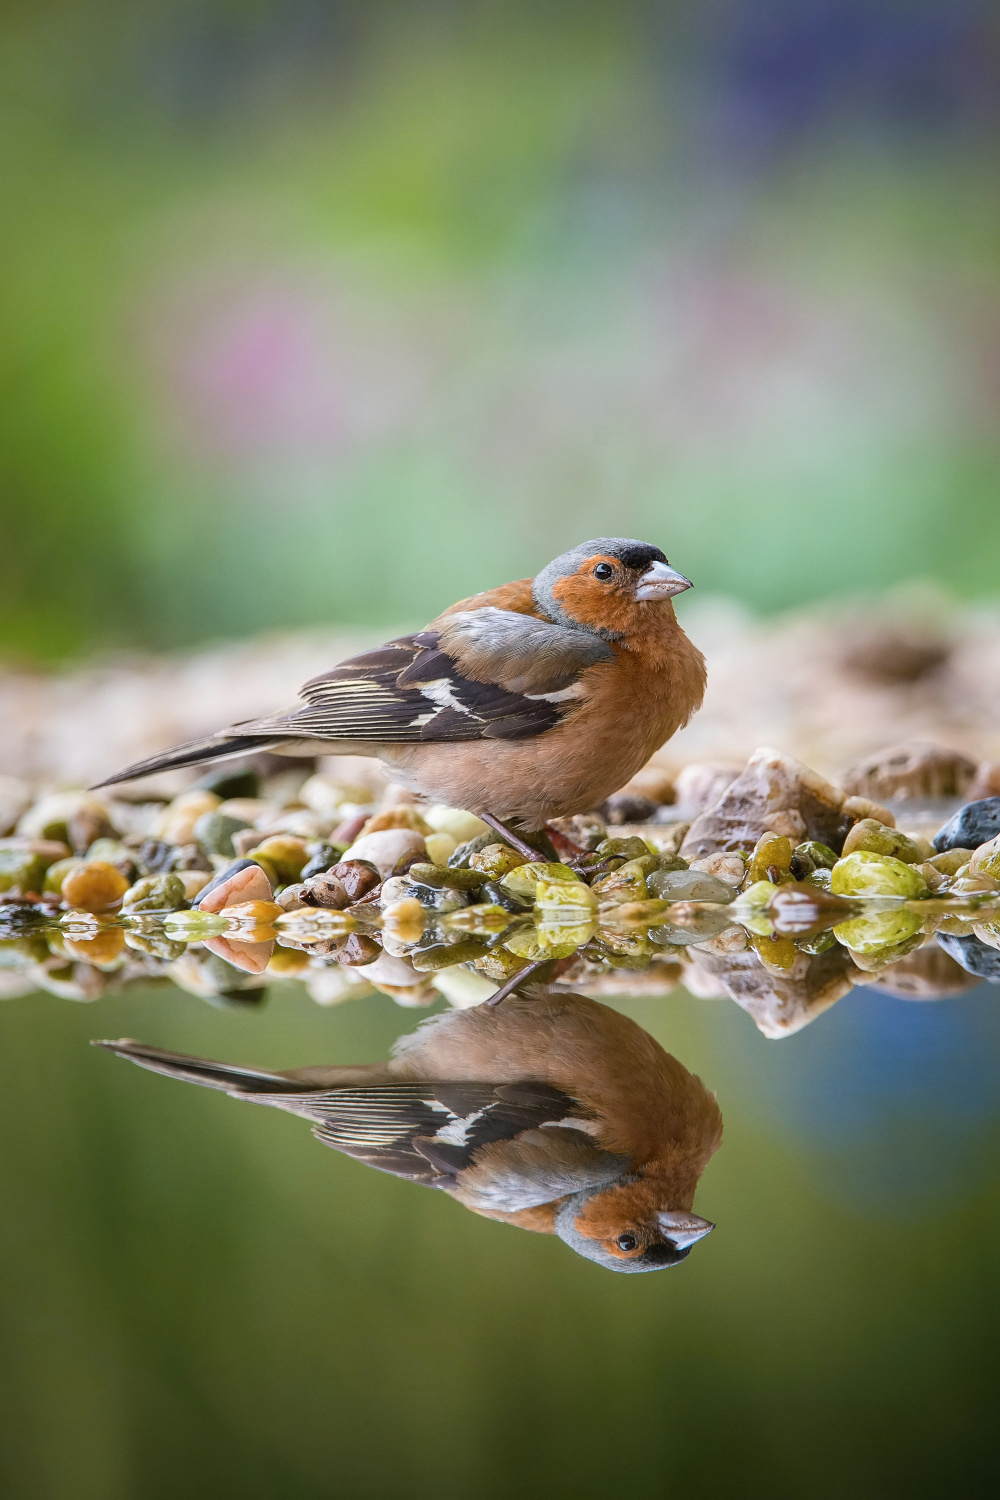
601	594
622	1220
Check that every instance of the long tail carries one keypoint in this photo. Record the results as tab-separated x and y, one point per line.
194	753
212	1075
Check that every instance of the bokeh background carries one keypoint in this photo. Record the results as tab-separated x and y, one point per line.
332	313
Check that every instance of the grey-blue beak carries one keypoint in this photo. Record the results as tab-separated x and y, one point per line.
661	581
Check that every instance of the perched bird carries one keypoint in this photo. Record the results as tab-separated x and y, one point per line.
554	1113
531	701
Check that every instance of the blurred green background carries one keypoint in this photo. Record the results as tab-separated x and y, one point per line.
335	313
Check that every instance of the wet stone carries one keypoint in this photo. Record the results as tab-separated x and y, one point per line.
972	825
973	956
155	893
688	885
774	794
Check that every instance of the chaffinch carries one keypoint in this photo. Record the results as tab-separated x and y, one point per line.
530	701
554	1113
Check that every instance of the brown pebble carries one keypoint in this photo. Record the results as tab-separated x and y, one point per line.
914	769
357	950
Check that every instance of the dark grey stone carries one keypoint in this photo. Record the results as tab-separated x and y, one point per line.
975	957
971	826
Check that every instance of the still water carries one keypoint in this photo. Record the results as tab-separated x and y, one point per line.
798	1133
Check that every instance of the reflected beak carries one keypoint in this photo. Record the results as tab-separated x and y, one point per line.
684	1230
660	581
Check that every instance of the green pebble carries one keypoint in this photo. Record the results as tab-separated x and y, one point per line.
446	955
56	874
521	882
21	871
213	833
885	929
822	856
630	848
865	873
440	876
155	893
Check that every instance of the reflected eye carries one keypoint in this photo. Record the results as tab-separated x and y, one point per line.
603	571
626	1242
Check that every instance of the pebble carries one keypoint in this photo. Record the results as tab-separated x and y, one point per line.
175	824
986	859
914	770
973	955
627	807
283	857
213	833
863	807
387	848
22	872
700	786
563	895
928	973
731	868
325	890
402	816
405	919
441	876
358	876
771	859
440	847
94	885
463	826
154	893
774	794
689	885
875	838
866	874
496	860
878	933
974	824
952	860
520	883
242	881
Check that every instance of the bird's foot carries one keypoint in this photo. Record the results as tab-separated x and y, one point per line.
513	839
567	849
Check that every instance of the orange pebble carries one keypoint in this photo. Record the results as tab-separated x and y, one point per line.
94	886
103	948
260	913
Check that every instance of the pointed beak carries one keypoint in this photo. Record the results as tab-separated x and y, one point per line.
660	581
684	1230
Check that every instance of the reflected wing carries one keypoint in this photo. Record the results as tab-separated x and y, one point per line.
428	1132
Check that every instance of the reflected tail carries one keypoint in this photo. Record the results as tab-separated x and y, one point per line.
229	1077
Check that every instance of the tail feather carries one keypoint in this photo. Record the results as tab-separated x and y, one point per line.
194	753
204	1070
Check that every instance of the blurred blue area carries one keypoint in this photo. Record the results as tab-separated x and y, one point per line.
888	1098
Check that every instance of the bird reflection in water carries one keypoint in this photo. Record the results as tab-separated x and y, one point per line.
552	1112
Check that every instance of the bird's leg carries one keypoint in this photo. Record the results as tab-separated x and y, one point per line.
515	981
515	842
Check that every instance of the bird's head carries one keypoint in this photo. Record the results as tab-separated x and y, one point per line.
608	585
604	1225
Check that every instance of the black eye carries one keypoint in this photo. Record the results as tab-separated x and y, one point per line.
626	1242
603	571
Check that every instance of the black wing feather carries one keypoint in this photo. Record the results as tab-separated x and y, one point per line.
425	1131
